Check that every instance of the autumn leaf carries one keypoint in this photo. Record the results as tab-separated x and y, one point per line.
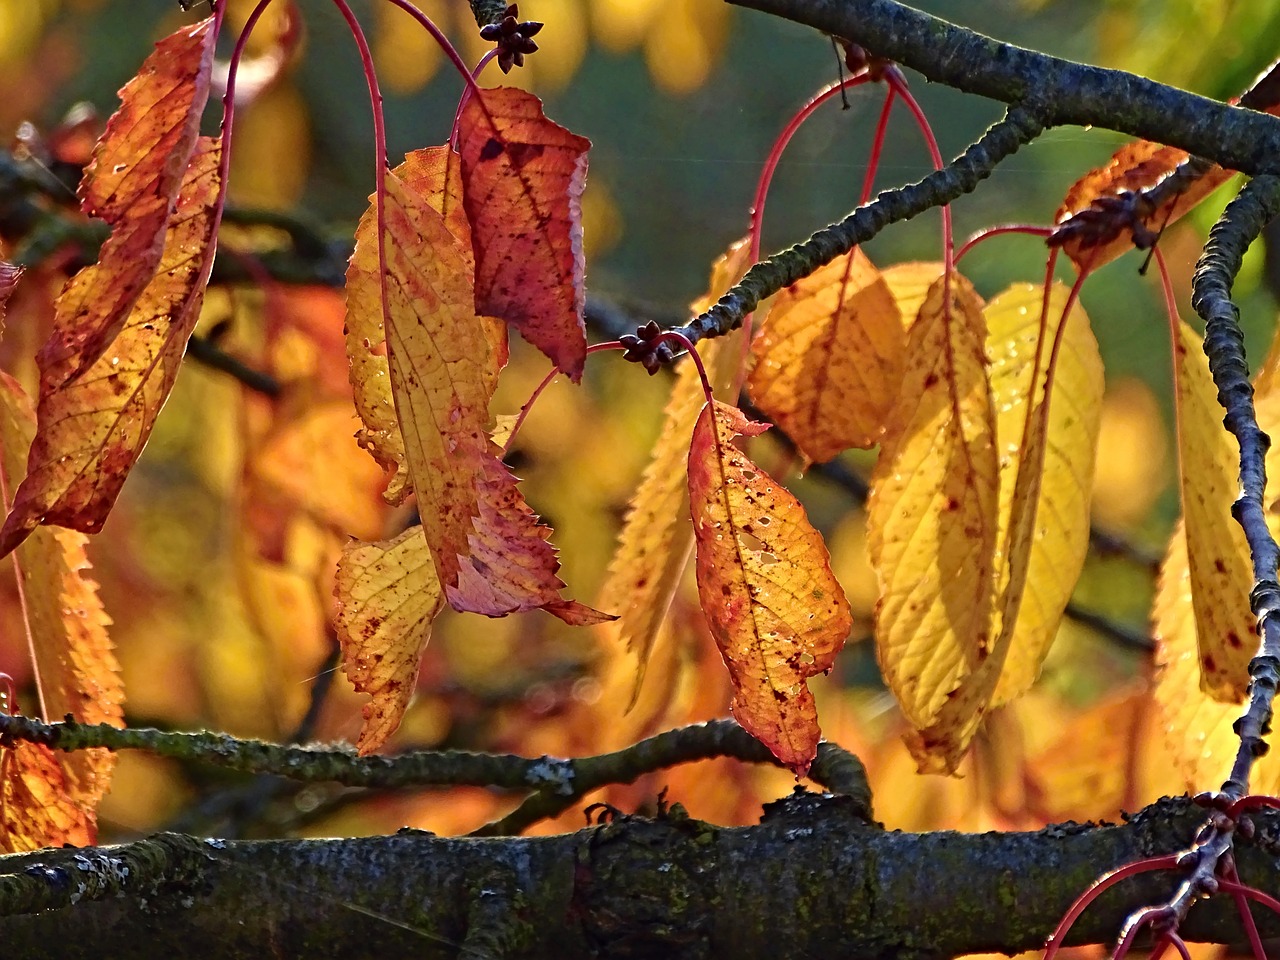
96	414
1197	728
1047	442
510	565
909	283
765	583
1220	572
132	183
441	361
656	540
388	596
524	176
829	358
74	664
932	517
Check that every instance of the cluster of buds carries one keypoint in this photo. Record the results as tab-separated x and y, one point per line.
513	36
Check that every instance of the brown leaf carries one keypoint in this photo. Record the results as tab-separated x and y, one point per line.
524	176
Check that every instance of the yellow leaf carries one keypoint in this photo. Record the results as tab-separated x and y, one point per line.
388	595
829	358
1044	533
765	585
1221	574
1197	728
909	283
932	517
656	539
442	362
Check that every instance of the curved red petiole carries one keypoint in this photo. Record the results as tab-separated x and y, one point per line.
1230	875
1000	231
1096	889
898	83
546	382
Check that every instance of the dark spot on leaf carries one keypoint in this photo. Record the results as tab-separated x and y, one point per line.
493	148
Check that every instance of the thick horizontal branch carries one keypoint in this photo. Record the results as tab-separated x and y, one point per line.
813	879
1063	91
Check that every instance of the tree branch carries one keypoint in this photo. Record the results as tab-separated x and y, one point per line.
813	879
1018	127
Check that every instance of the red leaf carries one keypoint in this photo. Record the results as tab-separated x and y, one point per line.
132	184
523	178
511	566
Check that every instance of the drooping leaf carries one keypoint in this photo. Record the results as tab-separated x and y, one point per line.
510	565
1046	383
1198	729
524	176
137	169
775	609
74	665
656	540
829	358
1048	552
388	596
1220	572
441	363
96	414
932	517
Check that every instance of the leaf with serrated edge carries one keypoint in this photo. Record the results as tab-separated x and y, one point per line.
131	183
524	176
932	516
1220	571
510	565
426	252
909	283
388	595
75	666
829	358
656	540
95	422
765	584
443	368
1053	551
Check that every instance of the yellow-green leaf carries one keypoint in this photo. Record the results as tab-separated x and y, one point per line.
1045	534
766	587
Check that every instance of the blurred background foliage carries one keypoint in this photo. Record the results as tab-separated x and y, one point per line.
217	565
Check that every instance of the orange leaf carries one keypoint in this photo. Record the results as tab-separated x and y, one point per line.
75	666
510	566
137	170
766	587
524	176
388	595
36	805
96	414
932	517
1220	572
829	358
657	539
443	360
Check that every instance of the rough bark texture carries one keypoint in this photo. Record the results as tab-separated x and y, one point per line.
814	879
